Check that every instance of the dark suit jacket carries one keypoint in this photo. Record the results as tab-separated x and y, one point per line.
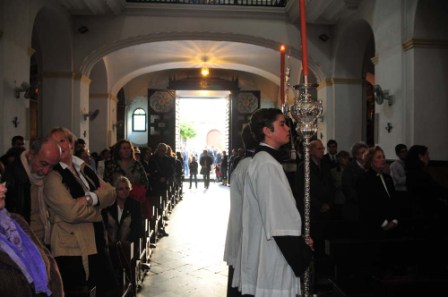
350	177
375	204
18	195
330	163
321	192
130	228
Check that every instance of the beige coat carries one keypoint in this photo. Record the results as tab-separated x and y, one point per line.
71	219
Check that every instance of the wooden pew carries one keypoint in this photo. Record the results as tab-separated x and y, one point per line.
340	229
154	225
129	282
387	267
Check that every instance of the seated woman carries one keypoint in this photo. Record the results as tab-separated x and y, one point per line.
378	206
429	198
124	224
123	220
26	266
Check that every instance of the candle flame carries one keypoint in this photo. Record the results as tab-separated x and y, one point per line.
282	48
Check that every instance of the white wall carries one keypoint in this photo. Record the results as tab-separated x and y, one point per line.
15	51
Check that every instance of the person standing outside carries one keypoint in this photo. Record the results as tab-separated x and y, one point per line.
224	166
206	166
274	253
193	166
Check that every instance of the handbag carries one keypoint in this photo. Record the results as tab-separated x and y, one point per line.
203	170
138	193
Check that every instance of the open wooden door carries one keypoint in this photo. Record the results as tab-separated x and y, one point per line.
244	103
162	117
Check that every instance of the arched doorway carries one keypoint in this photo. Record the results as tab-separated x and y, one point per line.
162	108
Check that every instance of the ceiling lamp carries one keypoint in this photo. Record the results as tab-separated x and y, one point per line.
204	71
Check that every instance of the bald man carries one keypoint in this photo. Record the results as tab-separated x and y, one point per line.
24	180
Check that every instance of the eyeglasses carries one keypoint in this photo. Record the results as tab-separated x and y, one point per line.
123	189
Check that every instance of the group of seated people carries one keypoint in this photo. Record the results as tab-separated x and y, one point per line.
60	219
370	198
365	188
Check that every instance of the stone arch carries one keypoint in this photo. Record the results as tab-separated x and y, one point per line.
350	49
90	60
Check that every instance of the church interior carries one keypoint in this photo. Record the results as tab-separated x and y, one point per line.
109	70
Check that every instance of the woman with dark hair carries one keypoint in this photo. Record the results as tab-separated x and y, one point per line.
378	206
123	163
11	155
429	198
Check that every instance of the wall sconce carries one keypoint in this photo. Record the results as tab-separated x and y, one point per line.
388	127
91	115
380	95
24	87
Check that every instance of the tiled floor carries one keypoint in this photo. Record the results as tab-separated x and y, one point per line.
188	262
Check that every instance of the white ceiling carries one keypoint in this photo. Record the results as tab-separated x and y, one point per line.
192	54
133	61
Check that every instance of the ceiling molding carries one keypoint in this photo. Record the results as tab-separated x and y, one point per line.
339	81
424	43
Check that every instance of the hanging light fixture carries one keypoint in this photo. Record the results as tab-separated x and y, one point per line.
204	70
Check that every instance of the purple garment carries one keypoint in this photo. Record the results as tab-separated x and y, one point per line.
16	243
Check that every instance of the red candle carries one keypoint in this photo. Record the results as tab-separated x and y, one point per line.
282	74
304	46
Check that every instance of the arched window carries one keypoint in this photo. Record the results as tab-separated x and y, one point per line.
139	120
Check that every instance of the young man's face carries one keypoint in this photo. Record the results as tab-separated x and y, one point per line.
402	153
280	135
333	148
